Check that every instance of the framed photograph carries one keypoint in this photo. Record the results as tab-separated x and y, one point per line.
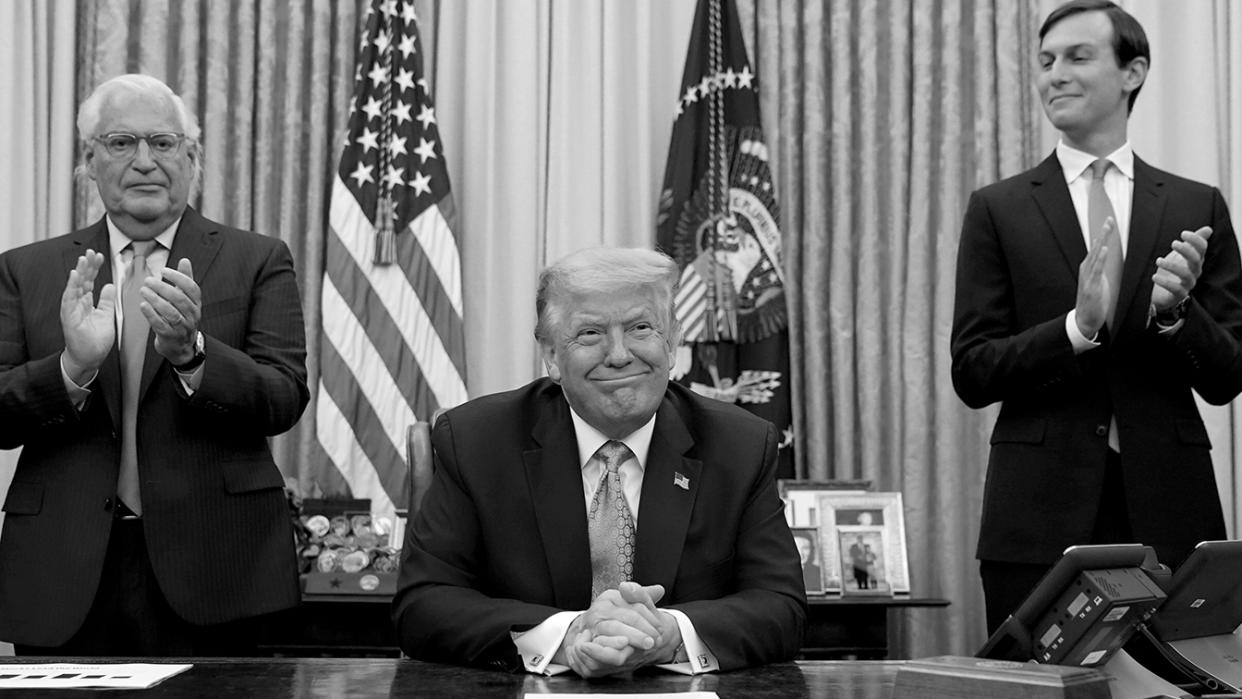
864	536
811	554
862	561
802	498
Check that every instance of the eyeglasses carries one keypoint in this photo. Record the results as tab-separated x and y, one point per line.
125	145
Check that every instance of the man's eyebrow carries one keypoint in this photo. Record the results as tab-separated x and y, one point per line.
1066	49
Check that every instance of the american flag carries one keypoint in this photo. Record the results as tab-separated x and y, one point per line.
392	341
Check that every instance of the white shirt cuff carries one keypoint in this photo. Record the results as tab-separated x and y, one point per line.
1169	329
77	394
538	645
191	380
699	658
1077	340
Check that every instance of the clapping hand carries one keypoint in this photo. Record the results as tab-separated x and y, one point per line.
173	306
1091	307
1178	271
89	330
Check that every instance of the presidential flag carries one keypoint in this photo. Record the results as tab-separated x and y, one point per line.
719	219
392	348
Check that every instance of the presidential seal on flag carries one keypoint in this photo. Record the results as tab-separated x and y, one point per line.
732	285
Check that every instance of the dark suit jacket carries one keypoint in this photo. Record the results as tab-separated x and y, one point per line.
216	522
501	542
1017	276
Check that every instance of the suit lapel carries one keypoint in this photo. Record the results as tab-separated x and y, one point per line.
197	241
109	379
1145	212
1053	198
664	512
554	477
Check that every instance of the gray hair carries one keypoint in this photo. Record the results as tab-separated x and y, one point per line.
91	113
608	270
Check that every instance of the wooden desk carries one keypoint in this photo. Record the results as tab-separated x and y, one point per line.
389	677
334	625
838	628
857	628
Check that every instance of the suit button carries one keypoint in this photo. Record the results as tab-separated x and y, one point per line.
107	504
1101	430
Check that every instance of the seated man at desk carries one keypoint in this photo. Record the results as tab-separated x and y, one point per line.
602	519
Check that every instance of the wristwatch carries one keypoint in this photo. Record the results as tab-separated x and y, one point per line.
1169	317
199	355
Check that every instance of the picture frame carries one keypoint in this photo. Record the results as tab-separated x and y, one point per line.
801	498
864	535
815	574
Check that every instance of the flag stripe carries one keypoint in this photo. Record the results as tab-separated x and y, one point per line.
354	230
358	470
431	239
366	316
365	368
439	246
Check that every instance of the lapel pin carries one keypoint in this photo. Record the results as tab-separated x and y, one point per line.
681	481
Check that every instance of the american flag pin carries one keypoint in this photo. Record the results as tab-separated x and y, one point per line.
681	481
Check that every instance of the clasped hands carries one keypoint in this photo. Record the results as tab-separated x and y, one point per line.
171	303
622	631
1176	274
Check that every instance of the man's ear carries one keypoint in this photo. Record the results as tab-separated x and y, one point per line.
547	352
88	161
1136	74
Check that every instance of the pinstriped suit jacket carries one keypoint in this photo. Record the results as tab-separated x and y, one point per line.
214	514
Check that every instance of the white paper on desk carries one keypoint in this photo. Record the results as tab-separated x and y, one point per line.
86	676
639	695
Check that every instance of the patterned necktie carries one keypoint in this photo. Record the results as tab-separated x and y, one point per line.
1100	208
610	524
134	331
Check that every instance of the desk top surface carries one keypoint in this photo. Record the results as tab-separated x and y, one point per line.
383	677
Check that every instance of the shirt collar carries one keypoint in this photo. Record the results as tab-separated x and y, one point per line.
1074	162
591	439
119	240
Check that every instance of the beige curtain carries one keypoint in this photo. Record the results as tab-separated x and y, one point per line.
270	82
36	91
885	117
556	119
36	114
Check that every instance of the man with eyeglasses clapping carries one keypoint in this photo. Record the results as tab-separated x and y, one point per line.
144	361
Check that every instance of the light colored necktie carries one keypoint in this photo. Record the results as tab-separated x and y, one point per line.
1100	208
610	524
134	332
